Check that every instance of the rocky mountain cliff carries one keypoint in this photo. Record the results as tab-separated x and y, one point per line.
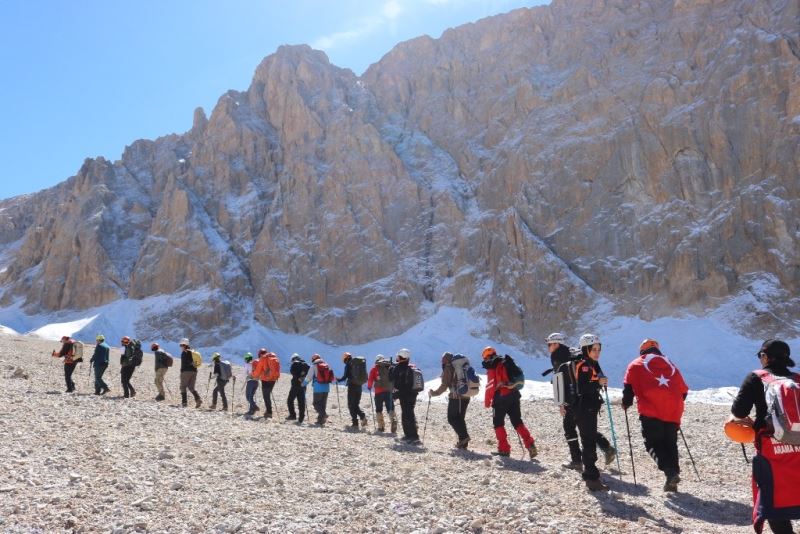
538	168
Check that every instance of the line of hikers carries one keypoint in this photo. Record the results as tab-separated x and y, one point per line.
579	386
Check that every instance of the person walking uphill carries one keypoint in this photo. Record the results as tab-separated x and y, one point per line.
776	464
127	362
380	378
355	373
456	404
100	360
321	377
188	375
252	383
503	396
223	373
660	391
68	353
403	378
298	369
268	369
163	361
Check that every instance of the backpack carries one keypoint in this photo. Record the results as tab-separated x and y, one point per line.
77	351
197	359
168	359
272	369
515	374
225	370
417	380
358	371
782	394
384	381
324	373
136	361
565	391
467	382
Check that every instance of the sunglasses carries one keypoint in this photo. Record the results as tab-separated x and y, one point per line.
761	353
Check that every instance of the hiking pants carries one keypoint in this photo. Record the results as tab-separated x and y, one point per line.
99	384
297	392
509	405
407	418
125	374
586	419
69	368
220	389
266	391
456	412
320	405
571	433
160	373
661	442
780	526
353	402
250	394
382	399
188	381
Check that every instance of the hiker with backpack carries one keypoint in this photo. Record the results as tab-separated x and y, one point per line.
461	387
163	361
100	360
407	386
128	362
223	373
268	369
251	384
505	380
355	374
774	390
297	390
320	377
70	361
660	391
563	359
380	379
190	363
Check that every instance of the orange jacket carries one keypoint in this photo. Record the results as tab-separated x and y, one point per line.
496	376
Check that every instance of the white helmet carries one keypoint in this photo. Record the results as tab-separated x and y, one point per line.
404	354
555	337
587	340
184	341
380	358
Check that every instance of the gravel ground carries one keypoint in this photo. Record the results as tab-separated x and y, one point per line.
77	462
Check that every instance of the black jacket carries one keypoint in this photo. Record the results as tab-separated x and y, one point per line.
588	385
187	363
559	356
347	374
126	358
752	394
298	370
403	378
160	359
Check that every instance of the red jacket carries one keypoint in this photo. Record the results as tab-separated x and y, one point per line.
658	387
373	377
496	376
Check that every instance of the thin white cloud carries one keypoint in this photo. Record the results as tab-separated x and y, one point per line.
362	27
392	9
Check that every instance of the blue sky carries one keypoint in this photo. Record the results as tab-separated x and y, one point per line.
85	79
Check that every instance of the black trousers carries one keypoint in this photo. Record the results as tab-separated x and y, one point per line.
456	412
586	419
220	389
780	526
266	391
125	375
407	418
661	442
571	434
507	405
299	393
69	368
353	401
99	383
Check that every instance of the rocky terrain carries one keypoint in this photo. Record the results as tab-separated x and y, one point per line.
81	463
539	168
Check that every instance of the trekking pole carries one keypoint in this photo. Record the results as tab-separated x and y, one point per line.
372	405
208	386
690	453
427	411
233	396
338	403
613	434
275	404
630	445
744	452
89	376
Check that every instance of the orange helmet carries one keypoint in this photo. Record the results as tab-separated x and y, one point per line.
346	356
740	431
125	340
488	353
648	344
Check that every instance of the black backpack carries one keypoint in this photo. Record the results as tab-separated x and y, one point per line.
136	361
358	371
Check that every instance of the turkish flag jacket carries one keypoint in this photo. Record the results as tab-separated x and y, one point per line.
658	386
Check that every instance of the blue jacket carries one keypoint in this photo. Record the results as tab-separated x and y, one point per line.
102	354
316	386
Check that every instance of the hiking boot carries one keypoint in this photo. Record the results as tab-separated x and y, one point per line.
610	455
105	391
198	402
290	417
671	485
381	422
363	421
159	398
596	485
575	466
324	419
268	415
501	453
212	407
462	443
353	426
224	407
532	451
394	425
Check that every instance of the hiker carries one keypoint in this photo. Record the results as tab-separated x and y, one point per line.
188	374
223	373
127	367
68	353
776	464
268	369
660	392
252	383
505	379
380	378
456	404
321	377
163	361
589	378
355	374
561	354
100	360
298	369
402	375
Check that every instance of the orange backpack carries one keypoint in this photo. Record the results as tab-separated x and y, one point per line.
272	369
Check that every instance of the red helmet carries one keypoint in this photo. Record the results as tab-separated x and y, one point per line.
64	338
648	344
315	357
125	340
488	353
154	346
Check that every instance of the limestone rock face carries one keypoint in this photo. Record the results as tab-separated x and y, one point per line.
530	167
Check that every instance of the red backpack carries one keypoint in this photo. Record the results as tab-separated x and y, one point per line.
782	394
324	373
